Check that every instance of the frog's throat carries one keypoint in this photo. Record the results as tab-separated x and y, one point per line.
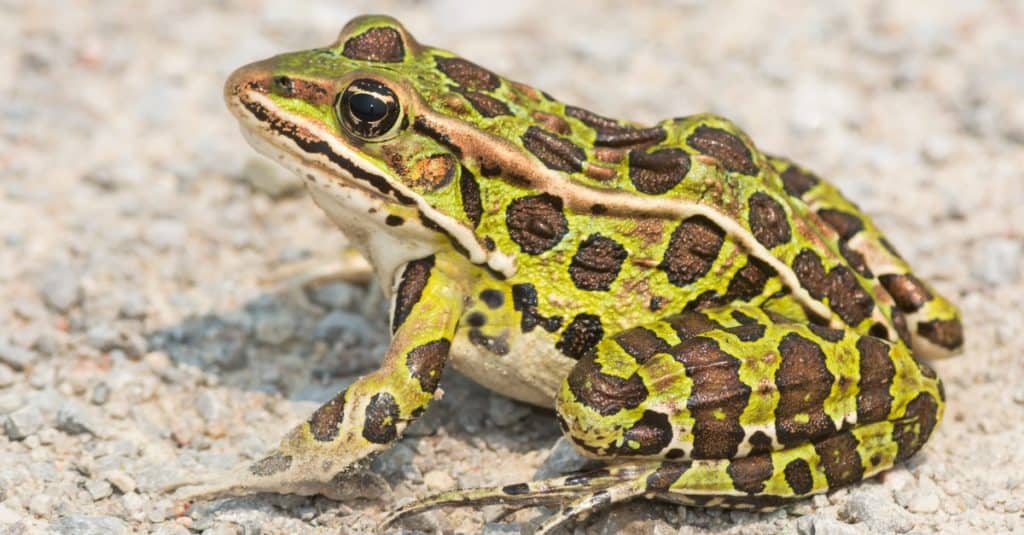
356	195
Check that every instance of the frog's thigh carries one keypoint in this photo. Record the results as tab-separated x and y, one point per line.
742	403
925	320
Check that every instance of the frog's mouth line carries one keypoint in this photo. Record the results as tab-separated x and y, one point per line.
318	153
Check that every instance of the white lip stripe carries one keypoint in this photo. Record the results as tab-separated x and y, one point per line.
496	260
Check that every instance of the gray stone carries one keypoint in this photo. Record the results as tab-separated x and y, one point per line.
73	419
23	422
6	376
342	327
396	464
60	288
562	459
106	337
334	295
90	525
998	262
133	306
14	356
98	489
274	327
209	406
872	507
500	528
504	411
100	394
166	234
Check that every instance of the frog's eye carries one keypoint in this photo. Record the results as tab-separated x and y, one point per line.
368	109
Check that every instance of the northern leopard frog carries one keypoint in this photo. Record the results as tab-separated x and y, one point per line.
719	325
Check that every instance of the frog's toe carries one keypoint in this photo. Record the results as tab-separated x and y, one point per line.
583	492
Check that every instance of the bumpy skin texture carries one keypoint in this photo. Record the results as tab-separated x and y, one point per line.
721	326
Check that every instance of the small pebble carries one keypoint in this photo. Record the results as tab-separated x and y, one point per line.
438	480
100	394
73	419
60	288
106	337
998	262
23	422
120	480
504	411
40	505
562	459
16	357
90	525
98	489
7	376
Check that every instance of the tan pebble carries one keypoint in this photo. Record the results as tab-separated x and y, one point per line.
438	480
216	430
120	480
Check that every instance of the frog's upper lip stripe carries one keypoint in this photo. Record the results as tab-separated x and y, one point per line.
289	131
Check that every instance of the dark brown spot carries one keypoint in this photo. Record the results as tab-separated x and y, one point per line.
324	422
596	263
612	133
749	281
497	345
803	382
580	336
876	375
426	362
845	224
524	300
909	293
855	259
410	289
840	460
912	430
675	453
470	192
760	442
826	333
486	105
467	74
648	436
750	473
492	298
847	297
536	223
944	333
393	220
879	331
606	394
376	44
666	474
657	172
641	343
725	147
798	476
270	465
768	220
717	399
690	324
811	273
899	321
748	333
796	181
691	250
380	426
556	152
551	122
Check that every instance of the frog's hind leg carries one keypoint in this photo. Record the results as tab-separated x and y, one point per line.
923	319
581	492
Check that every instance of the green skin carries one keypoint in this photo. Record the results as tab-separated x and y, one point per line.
720	326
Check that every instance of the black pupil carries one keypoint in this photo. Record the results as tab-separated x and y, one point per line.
367	107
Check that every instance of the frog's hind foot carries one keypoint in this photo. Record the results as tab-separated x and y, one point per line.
578	494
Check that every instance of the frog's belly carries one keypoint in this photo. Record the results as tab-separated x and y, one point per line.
532	371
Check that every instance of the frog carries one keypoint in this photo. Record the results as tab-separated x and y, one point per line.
712	325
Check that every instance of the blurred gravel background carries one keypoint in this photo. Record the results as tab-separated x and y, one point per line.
142	337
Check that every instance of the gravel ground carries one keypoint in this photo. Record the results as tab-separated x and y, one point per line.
145	333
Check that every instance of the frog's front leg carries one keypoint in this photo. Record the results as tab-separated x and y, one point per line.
733	407
371	413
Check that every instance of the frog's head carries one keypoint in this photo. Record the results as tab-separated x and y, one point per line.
391	137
